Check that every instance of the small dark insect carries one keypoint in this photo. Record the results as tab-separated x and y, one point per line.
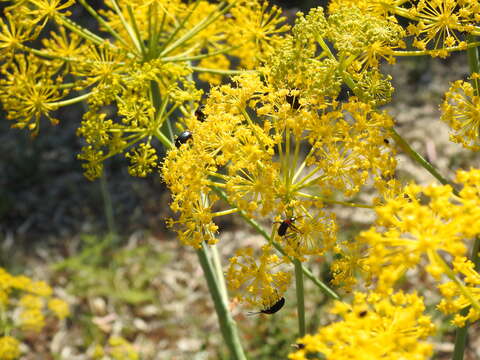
285	224
200	114
183	138
272	309
293	101
386	141
362	313
299	346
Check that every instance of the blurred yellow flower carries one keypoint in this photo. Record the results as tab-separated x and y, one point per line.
9	348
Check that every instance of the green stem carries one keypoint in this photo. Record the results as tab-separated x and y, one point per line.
330	201
473	62
300	297
216	283
163	139
136	30
204	23
461	333
400	141
70	101
183	57
218	269
126	25
220	72
429	52
322	286
102	22
82	32
227	324
107	203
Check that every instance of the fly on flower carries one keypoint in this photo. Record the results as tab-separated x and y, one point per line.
272	309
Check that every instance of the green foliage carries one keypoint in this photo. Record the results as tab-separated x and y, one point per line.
123	274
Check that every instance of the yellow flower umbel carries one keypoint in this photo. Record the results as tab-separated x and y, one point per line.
408	231
9	348
426	228
143	68
23	309
117	348
439	23
262	281
278	145
374	327
461	111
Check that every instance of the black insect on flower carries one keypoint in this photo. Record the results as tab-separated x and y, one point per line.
363	313
285	225
183	138
199	114
386	141
293	100
272	309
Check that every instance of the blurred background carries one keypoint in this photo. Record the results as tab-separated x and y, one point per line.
104	247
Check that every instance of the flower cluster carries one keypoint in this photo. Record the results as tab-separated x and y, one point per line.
461	111
428	228
278	147
143	68
117	348
374	326
435	27
25	306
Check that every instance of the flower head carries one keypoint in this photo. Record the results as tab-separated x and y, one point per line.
461	111
374	326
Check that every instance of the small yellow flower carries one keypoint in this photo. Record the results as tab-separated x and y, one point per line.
32	320
121	349
9	348
59	308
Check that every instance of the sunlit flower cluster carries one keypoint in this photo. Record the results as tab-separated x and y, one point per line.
117	348
374	326
461	111
279	144
25	306
143	69
279	153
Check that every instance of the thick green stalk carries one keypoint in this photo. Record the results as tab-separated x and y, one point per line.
300	297
107	203
214	276
227	324
461	333
217	264
400	141
473	62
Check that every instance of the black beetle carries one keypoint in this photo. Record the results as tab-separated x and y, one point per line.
362	313
293	101
272	309
285	224
200	115
183	138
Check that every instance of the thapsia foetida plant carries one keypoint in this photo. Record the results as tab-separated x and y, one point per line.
276	143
